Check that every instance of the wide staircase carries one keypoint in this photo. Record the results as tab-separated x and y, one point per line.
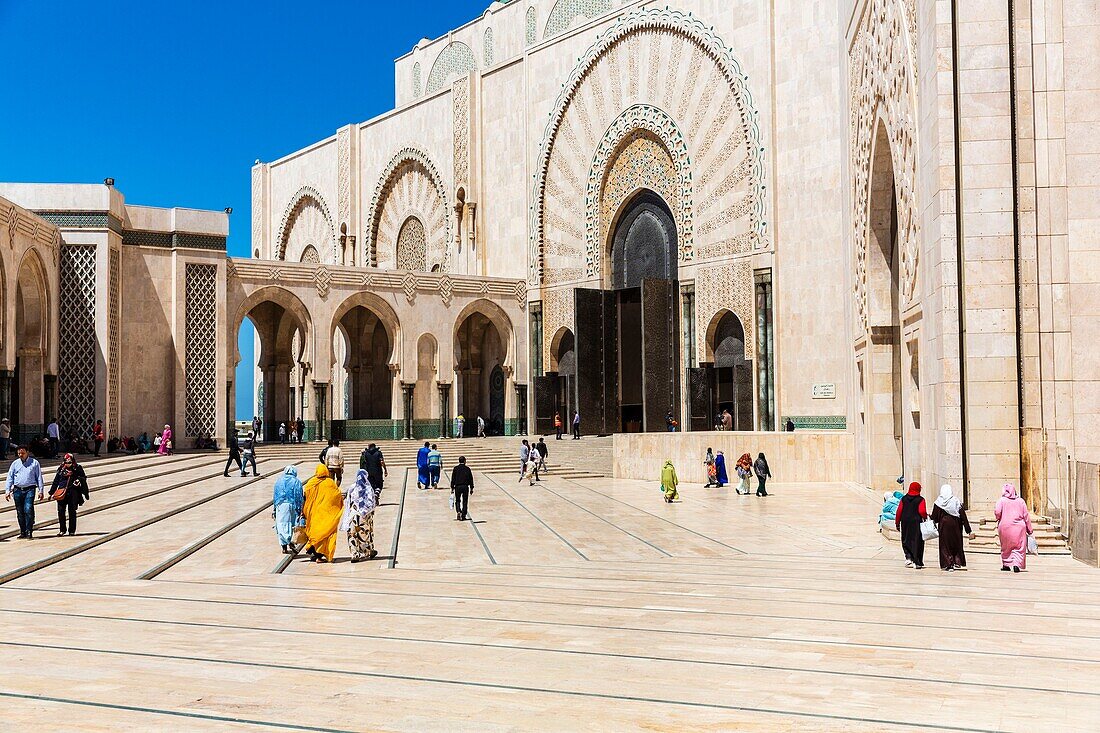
1048	535
583	459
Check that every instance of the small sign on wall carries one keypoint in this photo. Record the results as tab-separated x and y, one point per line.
825	391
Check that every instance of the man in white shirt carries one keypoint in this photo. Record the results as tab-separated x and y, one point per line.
334	460
53	433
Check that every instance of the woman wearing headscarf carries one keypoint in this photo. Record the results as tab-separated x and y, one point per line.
165	441
358	518
890	501
324	505
669	481
950	519
712	470
69	490
911	512
720	474
287	503
1013	528
763	473
744	472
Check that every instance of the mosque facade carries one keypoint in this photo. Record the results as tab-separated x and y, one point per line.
869	217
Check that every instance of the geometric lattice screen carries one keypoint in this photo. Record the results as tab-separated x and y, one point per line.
114	334
76	369
201	373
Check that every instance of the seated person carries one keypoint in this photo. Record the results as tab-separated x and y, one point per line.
890	501
113	445
40	447
143	443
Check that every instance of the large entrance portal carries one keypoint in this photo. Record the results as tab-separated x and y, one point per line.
368	346
627	346
479	371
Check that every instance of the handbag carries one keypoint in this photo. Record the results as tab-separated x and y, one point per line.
1032	545
928	530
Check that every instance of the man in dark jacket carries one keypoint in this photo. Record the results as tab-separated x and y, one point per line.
372	461
234	454
462	485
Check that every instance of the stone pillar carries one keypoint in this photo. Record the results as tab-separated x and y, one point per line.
521	409
444	409
49	397
320	408
6	375
407	408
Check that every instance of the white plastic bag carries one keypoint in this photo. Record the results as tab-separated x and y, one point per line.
928	530
452	500
1032	545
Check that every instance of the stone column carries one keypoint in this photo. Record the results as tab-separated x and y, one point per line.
521	409
320	408
6	375
444	409
49	397
407	407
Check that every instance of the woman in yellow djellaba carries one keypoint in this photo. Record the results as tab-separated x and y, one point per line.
323	507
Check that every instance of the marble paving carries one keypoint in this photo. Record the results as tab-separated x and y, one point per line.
576	604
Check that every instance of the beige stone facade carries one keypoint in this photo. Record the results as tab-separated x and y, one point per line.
879	217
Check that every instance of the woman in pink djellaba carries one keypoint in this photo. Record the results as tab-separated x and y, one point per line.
1013	528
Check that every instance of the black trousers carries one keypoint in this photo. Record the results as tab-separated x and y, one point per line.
462	500
576	432
63	508
912	542
234	458
760	490
98	443
558	429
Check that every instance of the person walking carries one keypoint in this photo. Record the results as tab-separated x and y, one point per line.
435	465
727	420
98	436
669	482
461	426
165	448
234	444
5	438
423	475
576	425
720	474
53	434
950	520
1013	529
543	451
334	460
480	427
670	422
373	462
248	456
557	425
528	465
323	509
301	430
24	476
282	433
286	507
69	490
293	431
712	471
763	473
358	518
256	423
911	512
462	485
744	473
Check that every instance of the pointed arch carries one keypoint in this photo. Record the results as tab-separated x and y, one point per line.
305	199
392	205
454	61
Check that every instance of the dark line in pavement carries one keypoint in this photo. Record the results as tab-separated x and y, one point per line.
397	528
608	521
484	545
196	546
501	686
537	518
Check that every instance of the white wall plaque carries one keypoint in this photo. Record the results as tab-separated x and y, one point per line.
824	391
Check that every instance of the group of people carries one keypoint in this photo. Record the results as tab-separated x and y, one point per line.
315	513
948	523
295	433
745	468
69	490
559	426
532	459
460	426
56	442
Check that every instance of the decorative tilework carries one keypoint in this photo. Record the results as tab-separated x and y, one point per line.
77	345
574	128
531	33
461	125
201	342
410	185
114	335
565	12
455	60
310	256
306	221
488	52
412	246
881	86
726	287
816	422
417	90
82	220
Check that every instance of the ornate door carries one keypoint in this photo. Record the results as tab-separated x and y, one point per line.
660	349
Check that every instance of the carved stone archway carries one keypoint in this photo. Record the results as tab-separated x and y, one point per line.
422	195
307	203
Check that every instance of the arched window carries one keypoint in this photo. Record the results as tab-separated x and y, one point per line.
488	47
454	61
532	27
412	246
566	11
417	90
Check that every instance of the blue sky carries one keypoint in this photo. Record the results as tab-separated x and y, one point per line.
176	100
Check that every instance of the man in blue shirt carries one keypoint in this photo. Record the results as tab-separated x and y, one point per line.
435	465
24	476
